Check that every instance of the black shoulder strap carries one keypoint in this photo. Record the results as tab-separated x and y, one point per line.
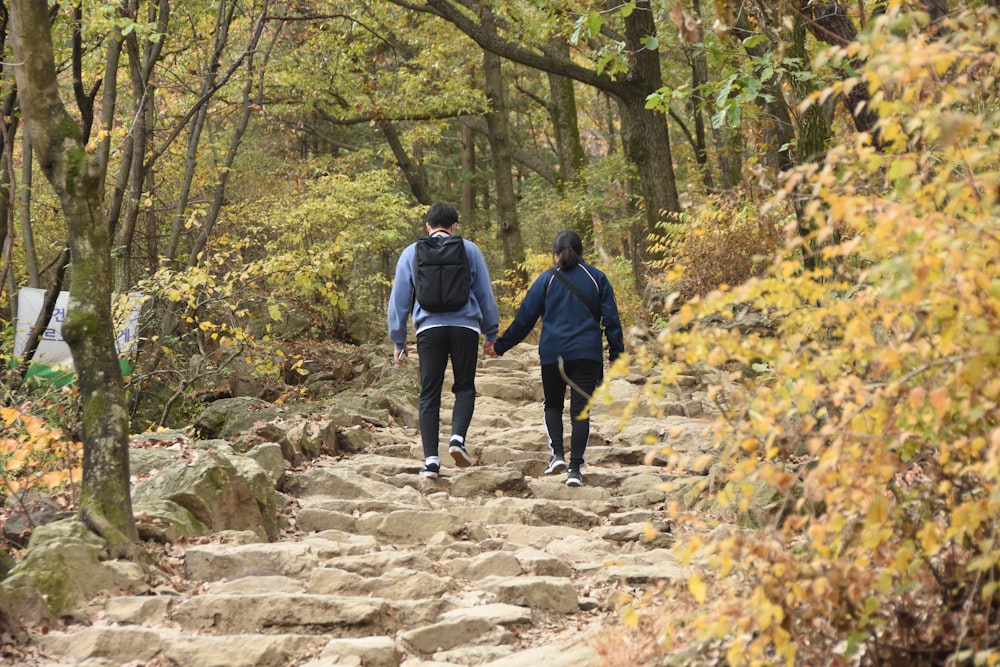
579	295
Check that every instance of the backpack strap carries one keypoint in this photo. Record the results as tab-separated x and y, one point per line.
579	295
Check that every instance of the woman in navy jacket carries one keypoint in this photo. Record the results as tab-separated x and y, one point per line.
572	298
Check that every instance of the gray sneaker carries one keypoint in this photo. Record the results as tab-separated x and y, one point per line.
556	464
574	478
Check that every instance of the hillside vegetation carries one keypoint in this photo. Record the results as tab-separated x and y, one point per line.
853	519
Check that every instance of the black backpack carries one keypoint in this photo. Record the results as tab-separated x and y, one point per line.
441	277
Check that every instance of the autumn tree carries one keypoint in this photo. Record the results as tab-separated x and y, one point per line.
76	176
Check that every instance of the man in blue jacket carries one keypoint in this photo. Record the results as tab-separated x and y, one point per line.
577	305
442	335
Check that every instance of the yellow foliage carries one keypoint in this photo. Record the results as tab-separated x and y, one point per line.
34	455
873	409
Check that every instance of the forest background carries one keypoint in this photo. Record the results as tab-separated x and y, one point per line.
801	193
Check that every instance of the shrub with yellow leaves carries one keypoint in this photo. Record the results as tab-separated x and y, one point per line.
34	455
877	425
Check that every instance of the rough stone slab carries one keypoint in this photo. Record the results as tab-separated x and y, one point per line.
575	548
396	584
642	482
538	563
415	613
121	644
491	647
210	562
350	544
363	506
138	609
490	512
406	584
446	634
547	593
409	526
334	581
550	513
573	654
370	651
554	487
343	483
494	563
649	533
637	575
311	520
376	564
535	536
282	613
478	482
505	456
497	614
240	650
366	464
257	585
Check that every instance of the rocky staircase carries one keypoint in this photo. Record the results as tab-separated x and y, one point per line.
495	564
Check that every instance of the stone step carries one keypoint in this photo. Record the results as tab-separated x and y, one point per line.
495	564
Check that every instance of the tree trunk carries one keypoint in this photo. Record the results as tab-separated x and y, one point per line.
699	78
647	136
468	205
828	22
75	176
569	148
418	186
814	133
565	121
24	202
503	163
141	64
779	131
251	99
8	133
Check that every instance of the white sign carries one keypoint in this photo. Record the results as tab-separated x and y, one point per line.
52	348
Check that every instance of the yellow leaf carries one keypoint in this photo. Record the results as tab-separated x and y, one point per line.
940	401
930	538
698	589
9	415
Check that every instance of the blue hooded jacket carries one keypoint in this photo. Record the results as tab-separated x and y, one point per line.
480	312
569	329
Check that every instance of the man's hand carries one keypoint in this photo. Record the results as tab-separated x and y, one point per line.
488	349
399	356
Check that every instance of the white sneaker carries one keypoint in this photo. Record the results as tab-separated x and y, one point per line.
556	464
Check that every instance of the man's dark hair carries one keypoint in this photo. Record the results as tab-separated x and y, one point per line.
568	248
441	216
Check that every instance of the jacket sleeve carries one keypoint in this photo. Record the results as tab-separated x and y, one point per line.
528	312
400	298
612	321
482	287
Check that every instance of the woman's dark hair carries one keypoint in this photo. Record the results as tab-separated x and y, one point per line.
568	248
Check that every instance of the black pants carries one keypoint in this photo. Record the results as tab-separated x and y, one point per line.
434	347
586	374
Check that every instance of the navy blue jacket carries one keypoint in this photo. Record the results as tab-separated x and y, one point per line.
569	329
